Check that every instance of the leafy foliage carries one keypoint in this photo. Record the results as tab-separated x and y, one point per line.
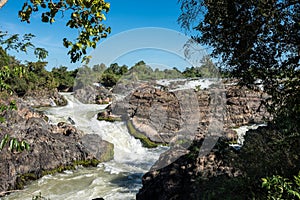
257	40
142	71
4	74
112	74
32	76
14	42
3	107
207	69
14	144
258	43
64	78
282	188
13	74
85	15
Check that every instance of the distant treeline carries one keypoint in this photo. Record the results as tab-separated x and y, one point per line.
109	76
21	78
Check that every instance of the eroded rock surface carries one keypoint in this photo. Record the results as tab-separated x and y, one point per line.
161	114
44	98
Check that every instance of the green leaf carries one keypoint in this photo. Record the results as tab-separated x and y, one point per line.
15	144
4	141
27	146
23	145
11	145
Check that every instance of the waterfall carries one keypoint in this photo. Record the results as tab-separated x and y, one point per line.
119	178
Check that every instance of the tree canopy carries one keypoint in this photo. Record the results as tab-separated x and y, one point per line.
84	15
257	41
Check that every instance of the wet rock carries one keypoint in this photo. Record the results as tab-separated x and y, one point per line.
107	115
97	148
53	148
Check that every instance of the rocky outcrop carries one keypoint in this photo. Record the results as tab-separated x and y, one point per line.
188	177
244	106
53	148
225	173
161	114
93	94
44	98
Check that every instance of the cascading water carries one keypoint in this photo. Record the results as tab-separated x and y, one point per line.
113	180
116	179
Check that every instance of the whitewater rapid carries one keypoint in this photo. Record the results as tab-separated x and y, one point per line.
119	178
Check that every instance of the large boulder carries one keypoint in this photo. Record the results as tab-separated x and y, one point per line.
93	94
189	176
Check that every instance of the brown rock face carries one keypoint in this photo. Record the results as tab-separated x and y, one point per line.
182	179
160	114
193	174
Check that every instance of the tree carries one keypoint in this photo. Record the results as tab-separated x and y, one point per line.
2	3
20	44
64	78
257	41
282	188
85	15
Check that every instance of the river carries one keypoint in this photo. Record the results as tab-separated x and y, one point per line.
119	178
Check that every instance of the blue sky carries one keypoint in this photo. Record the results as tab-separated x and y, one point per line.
124	16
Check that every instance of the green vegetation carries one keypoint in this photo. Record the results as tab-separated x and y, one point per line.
11	106
64	78
282	188
14	144
110	76
258	44
207	69
86	16
20	44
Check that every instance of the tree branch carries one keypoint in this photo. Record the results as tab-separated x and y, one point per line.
2	3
